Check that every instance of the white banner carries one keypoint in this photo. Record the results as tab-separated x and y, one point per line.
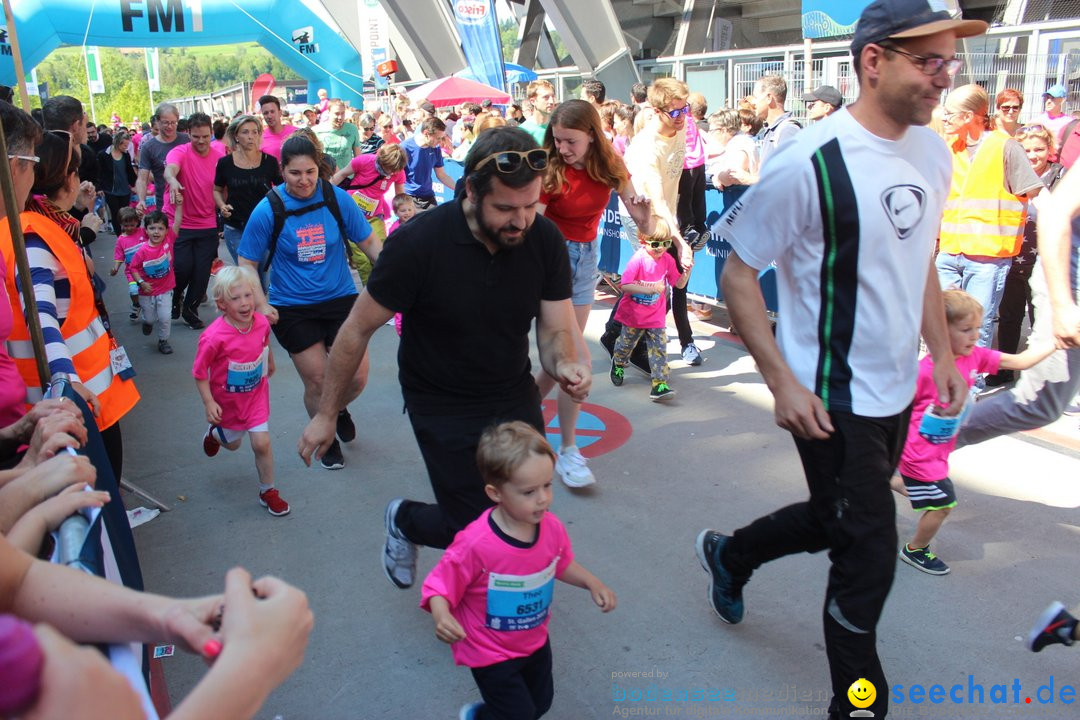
152	78
93	70
31	83
374	33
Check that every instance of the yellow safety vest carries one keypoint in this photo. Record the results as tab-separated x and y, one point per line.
84	334
981	216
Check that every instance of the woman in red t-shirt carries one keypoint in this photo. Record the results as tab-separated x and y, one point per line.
583	169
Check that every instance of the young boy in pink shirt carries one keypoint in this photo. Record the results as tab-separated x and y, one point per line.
231	369
130	239
924	463
491	592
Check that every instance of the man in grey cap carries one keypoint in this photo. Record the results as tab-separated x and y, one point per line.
849	210
822	102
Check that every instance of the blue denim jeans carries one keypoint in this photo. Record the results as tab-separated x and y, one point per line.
981	277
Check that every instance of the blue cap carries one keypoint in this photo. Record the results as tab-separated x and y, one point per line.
888	19
1056	91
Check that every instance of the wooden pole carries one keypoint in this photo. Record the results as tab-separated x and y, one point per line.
20	73
18	243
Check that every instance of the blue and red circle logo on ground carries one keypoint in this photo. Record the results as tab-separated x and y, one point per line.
600	430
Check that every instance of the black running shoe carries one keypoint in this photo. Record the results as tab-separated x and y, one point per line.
346	428
192	320
1055	626
332	459
725	589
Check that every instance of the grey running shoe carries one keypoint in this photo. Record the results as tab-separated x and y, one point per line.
399	555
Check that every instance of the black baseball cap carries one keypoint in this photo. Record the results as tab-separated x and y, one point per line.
898	19
825	93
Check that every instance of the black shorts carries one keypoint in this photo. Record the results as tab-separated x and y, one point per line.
424	202
937	495
301	326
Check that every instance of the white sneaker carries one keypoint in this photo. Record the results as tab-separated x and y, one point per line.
572	468
691	355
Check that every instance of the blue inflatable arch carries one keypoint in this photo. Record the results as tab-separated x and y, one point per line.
287	28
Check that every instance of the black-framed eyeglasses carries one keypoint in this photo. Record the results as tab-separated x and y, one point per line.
678	112
656	244
930	65
508	161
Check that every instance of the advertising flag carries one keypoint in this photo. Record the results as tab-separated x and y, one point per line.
152	78
480	40
93	70
830	18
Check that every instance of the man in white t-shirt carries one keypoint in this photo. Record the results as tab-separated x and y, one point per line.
849	211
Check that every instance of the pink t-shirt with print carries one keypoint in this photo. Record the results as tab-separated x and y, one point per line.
921	459
500	593
236	364
646	311
366	173
155	264
125	249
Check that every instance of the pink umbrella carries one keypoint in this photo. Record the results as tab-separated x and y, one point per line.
457	90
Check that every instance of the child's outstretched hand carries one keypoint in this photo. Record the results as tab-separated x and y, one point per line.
604	597
213	413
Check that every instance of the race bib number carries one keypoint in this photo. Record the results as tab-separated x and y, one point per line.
311	244
650	299
520	602
245	377
157	268
365	203
121	364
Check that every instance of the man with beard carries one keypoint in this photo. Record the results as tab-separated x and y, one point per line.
464	355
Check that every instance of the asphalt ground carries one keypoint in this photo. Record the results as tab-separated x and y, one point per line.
711	457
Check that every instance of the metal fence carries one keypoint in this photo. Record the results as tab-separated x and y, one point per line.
1030	74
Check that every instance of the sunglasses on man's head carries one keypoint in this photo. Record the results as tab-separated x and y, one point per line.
508	161
676	114
656	244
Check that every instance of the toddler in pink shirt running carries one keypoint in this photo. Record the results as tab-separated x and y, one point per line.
130	239
231	369
924	463
490	594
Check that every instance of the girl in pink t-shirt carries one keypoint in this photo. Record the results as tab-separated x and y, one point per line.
130	239
490	594
924	464
232	365
151	268
643	312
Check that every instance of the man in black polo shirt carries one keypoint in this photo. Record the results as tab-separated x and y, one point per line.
469	278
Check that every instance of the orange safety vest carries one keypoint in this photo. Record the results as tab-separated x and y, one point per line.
82	329
981	216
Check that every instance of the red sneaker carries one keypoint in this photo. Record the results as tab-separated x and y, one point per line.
210	444
273	503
